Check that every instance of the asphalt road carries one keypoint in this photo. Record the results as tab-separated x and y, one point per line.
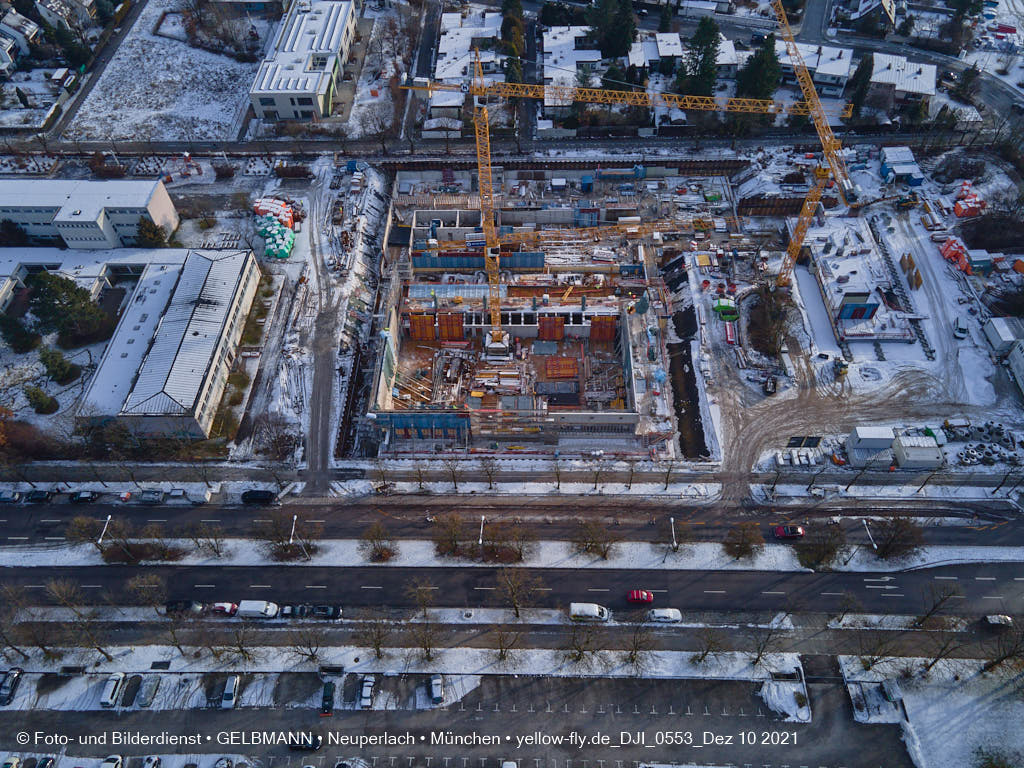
985	588
643	520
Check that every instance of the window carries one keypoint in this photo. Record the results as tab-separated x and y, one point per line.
305	101
266	101
307	114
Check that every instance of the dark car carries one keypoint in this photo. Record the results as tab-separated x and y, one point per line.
38	497
327	702
183	606
10	685
306	742
84	497
300	611
326	612
789	532
11	497
255	496
46	762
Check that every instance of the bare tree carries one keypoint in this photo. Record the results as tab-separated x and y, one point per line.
521	540
421	593
710	645
47	636
898	537
1005	648
454	467
505	639
307	644
377	544
375	633
241	645
556	468
207	538
420	468
175	627
287	538
875	647
821	546
449	532
638	651
744	540
425	635
631	468
120	534
516	586
581	645
669	467
12	600
936	596
592	537
489	466
376	121
156	538
944	645
597	469
849	603
383	472
763	640
148	589
66	594
84	530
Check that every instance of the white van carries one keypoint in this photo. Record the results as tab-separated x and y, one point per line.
587	612
227	701
256	609
112	690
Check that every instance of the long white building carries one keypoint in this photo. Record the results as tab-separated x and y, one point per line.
298	79
165	369
86	214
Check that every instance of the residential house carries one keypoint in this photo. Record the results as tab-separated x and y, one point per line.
883	12
566	55
728	61
298	79
23	31
8	51
897	82
464	36
830	67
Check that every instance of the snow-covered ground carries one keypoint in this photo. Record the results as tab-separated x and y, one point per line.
697	556
951	712
162	89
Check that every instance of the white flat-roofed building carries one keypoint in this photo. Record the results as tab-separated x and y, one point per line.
23	31
164	371
460	35
8	52
898	81
86	214
669	45
564	55
829	67
727	59
917	452
298	79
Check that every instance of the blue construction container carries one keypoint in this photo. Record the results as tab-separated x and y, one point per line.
587	184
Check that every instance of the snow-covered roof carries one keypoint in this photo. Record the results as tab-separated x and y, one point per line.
312	27
726	52
447	98
1007	328
905	76
18	23
69	195
172	372
873	433
643	52
459	35
917	441
669	45
562	58
864	7
819	59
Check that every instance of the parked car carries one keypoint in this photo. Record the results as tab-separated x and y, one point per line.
113	761
230	695
789	531
151	497
112	690
299	611
12	762
150	761
46	762
11	497
327	700
366	692
639	596
664	615
326	612
126	496
304	742
256	496
436	689
39	497
183	606
10	685
84	497
223	609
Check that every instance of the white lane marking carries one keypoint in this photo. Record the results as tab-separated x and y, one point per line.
774	593
92	586
210	521
157	520
834	593
946	578
204	586
316	586
714	591
992	597
892	594
314	521
880	586
984	578
259	586
365	587
486	589
594	589
50	520
35	586
54	538
17	538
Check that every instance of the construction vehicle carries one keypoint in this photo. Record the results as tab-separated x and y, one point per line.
908	201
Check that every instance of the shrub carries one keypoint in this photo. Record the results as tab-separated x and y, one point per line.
235	398
238	379
20	339
40	401
57	366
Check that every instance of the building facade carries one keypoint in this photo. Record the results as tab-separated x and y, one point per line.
86	214
23	31
298	79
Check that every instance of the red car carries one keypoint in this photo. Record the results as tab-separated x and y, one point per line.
223	609
789	531
639	596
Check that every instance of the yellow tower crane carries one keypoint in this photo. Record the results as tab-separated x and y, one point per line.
830	146
497	344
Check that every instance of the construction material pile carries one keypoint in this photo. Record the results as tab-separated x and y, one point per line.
274	221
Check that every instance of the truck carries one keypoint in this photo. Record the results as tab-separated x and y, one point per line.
256	609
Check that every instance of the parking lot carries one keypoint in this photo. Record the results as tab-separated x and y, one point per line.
580	723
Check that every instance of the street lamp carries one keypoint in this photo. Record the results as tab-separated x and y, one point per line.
291	536
104	531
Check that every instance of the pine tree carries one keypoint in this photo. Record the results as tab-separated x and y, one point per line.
151	234
614	26
759	78
57	366
625	29
700	67
665	22
860	82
